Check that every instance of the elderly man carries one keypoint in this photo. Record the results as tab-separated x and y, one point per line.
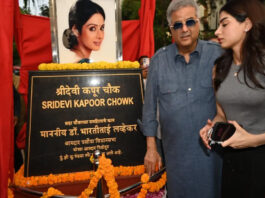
179	81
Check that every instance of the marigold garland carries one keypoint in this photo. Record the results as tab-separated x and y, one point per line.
151	186
51	192
86	66
143	191
105	169
10	193
20	180
92	184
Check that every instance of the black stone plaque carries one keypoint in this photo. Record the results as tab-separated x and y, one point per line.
74	113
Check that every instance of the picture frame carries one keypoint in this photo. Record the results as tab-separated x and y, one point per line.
111	47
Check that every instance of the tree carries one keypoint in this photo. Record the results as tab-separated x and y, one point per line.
161	31
27	2
44	10
161	28
130	9
25	10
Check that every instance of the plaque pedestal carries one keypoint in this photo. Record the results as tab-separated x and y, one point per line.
75	189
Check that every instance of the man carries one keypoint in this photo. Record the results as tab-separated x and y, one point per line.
180	82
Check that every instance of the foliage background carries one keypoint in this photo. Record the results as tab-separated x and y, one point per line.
161	30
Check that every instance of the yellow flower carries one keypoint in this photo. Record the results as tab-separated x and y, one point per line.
95	65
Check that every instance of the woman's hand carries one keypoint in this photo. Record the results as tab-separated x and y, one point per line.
241	138
204	133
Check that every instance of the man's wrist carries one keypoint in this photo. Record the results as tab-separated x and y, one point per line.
150	143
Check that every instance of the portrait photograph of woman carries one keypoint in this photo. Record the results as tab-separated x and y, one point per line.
85	31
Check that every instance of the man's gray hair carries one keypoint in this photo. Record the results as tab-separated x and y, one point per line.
177	4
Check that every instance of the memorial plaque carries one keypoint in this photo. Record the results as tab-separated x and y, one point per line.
74	113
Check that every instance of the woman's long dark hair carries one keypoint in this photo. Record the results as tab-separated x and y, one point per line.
253	47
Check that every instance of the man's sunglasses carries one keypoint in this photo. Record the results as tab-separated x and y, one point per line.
188	22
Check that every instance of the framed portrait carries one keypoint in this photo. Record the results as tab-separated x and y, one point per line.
111	46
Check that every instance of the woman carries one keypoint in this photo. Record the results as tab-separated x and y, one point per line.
86	29
239	81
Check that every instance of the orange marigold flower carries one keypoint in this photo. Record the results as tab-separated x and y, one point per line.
145	186
10	193
139	170
145	178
